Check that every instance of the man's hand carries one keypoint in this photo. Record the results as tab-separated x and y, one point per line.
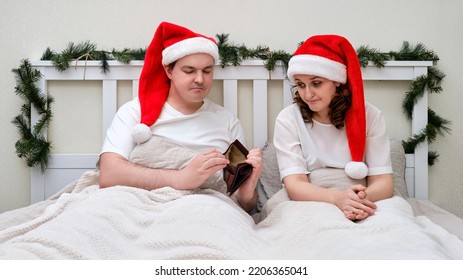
199	169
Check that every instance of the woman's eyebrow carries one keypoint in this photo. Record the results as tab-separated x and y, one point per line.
312	78
189	67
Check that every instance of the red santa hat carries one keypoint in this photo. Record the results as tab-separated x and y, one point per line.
170	43
333	57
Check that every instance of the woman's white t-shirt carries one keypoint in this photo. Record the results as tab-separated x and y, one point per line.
302	147
212	126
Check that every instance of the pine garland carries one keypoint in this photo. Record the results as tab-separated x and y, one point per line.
32	144
231	54
87	51
35	148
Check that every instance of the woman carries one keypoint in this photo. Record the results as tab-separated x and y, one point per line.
330	125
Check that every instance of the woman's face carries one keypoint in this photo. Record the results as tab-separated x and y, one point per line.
191	80
316	92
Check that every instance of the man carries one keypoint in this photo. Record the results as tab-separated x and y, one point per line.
172	103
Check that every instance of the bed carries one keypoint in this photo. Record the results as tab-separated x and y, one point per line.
71	218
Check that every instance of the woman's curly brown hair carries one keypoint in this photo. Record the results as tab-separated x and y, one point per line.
339	105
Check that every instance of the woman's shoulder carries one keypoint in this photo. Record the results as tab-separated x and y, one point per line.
374	116
372	109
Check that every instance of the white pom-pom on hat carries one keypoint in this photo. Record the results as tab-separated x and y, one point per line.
356	169
141	133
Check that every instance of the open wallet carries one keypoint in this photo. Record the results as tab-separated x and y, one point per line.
237	171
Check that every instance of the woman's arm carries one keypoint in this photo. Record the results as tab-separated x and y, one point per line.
299	188
380	187
348	201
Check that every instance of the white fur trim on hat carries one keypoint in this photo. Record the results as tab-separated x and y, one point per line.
316	65
141	133
356	169
189	46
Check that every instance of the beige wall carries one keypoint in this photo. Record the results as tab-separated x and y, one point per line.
27	28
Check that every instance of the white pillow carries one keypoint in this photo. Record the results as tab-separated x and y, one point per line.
159	152
398	166
333	178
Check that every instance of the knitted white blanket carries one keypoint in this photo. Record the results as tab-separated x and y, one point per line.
129	223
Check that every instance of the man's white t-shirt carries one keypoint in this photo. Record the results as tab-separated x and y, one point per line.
212	126
302	147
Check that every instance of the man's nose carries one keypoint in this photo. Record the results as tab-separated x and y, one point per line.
199	77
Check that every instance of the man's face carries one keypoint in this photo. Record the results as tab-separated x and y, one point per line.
191	80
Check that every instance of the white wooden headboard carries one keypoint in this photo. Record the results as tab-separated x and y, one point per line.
65	168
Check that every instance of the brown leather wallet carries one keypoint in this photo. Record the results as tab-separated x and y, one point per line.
237	171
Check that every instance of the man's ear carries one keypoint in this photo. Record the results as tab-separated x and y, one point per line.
168	71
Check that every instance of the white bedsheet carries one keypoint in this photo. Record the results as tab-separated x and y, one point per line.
129	223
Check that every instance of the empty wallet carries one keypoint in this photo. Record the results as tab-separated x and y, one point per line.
237	171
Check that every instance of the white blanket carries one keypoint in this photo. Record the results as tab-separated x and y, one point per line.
129	223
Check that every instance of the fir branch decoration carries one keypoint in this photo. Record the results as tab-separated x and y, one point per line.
431	82
231	54
414	53
436	124
366	54
32	144
407	52
127	55
88	51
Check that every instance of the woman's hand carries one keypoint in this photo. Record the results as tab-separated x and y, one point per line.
354	204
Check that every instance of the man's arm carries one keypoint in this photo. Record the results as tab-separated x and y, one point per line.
246	195
117	170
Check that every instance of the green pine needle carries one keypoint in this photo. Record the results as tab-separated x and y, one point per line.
416	52
47	54
366	54
432	158
416	92
441	125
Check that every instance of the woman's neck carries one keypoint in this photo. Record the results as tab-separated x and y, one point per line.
322	118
